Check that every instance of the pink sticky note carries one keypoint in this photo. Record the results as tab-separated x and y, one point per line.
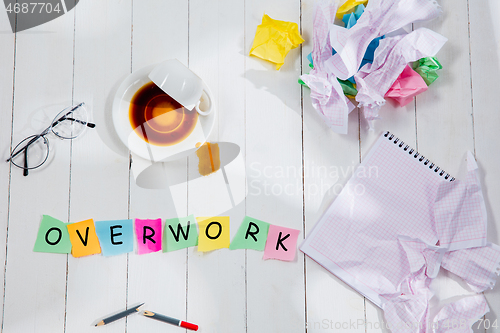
149	235
281	243
408	85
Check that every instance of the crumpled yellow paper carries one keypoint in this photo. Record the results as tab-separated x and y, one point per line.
274	39
347	6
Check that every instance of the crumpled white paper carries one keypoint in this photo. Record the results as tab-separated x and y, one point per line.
379	18
391	57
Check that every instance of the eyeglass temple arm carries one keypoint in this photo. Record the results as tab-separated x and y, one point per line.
25	173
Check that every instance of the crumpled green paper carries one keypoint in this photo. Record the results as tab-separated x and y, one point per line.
274	39
427	68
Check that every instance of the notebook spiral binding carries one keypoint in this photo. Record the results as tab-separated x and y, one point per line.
416	155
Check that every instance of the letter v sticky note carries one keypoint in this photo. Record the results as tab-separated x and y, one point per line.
252	234
281	243
180	233
116	237
214	233
83	238
52	236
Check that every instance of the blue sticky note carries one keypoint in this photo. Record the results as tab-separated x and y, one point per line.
358	11
349	20
115	236
310	58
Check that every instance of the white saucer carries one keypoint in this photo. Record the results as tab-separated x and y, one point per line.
120	113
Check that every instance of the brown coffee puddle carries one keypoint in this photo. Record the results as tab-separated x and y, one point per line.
158	119
209	158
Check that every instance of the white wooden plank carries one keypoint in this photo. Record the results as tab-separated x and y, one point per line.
329	160
216	280
7	40
36	282
485	62
275	289
97	285
160	32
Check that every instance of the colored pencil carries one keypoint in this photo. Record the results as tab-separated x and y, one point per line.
119	315
170	320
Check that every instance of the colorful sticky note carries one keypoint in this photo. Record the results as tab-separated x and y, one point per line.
52	236
281	243
180	233
214	233
83	238
348	7
252	234
408	85
274	39
116	237
149	235
427	68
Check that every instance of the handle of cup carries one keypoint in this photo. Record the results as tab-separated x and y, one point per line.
197	107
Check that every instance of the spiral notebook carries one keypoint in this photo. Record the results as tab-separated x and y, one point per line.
393	195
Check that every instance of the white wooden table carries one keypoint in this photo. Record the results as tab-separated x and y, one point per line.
84	55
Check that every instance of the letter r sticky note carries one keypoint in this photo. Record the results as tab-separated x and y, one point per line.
281	243
252	234
214	233
52	236
83	238
116	237
149	235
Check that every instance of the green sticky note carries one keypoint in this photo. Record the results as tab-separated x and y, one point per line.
427	68
252	234
348	87
53	236
180	233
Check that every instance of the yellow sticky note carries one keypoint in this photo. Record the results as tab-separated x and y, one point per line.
348	6
214	233
83	238
274	39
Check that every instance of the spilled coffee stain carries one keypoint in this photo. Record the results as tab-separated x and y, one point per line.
209	157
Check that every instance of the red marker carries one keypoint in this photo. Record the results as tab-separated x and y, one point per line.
170	320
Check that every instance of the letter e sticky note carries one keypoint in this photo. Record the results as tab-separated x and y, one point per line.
252	234
83	238
214	233
281	243
180	233
149	235
116	237
52	236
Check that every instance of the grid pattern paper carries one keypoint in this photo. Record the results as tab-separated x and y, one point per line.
366	236
479	266
379	18
459	316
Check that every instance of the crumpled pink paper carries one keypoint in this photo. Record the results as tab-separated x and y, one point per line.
408	85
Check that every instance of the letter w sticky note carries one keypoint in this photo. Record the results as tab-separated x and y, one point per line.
149	235
83	238
180	233
116	237
281	243
52	236
214	233
252	234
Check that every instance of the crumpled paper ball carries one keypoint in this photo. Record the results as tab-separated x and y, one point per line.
274	39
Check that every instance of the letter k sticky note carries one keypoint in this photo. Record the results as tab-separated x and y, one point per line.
83	238
52	236
252	234
180	233
281	243
214	233
116	237
149	235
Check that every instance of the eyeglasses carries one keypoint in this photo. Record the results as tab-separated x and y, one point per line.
68	124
